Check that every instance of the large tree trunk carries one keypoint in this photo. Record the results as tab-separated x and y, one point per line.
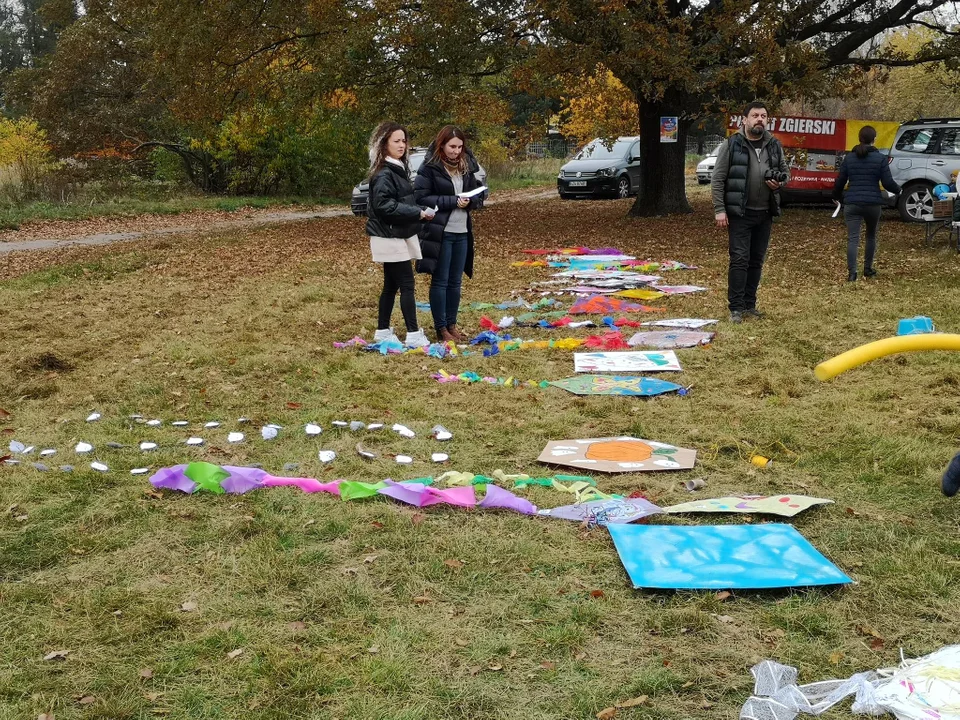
662	184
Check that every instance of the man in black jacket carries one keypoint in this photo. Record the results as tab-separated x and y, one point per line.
749	172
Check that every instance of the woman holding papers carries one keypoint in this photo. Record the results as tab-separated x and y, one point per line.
447	181
393	221
865	168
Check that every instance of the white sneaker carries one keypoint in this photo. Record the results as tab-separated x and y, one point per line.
416	339
387	334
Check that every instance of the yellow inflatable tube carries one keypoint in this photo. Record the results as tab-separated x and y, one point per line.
871	351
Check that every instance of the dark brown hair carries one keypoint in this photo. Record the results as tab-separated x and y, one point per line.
378	147
446	134
867	136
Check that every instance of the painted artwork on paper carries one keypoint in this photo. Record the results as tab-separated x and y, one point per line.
615	385
618	454
605	305
625	362
785	505
604	512
666	339
689	323
769	555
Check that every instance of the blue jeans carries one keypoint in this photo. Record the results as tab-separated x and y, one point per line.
855	215
447	279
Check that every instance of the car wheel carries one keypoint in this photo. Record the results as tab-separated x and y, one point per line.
915	202
703	182
623	187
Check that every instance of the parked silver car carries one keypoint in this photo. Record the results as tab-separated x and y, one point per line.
924	154
358	202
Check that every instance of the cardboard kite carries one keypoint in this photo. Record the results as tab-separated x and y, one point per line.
618	455
604	512
626	362
665	339
674	557
615	385
785	505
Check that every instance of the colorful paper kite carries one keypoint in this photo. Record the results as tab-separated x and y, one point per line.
641	294
679	289
618	454
237	480
603	512
615	385
603	305
636	361
665	339
785	505
688	323
769	555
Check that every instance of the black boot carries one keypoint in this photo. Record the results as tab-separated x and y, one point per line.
951	478
852	277
869	272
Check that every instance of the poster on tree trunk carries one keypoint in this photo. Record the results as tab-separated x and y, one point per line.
668	129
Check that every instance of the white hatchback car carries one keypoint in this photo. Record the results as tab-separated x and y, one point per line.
705	167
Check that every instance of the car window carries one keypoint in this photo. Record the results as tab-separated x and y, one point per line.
599	150
634	150
950	144
416	160
917	140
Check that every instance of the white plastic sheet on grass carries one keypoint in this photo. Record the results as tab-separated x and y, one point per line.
927	688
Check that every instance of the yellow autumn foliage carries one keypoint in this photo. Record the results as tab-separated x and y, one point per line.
599	105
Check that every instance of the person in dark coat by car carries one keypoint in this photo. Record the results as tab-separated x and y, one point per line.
393	222
865	168
446	242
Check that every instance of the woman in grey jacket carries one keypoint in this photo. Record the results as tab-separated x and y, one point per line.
393	223
865	168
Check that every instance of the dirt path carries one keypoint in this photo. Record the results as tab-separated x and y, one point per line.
47	235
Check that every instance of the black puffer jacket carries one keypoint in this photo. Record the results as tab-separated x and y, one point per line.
434	188
865	175
392	211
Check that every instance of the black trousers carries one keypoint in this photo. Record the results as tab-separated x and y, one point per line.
855	215
749	240
398	276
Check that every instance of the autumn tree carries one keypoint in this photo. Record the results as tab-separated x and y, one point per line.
598	105
688	58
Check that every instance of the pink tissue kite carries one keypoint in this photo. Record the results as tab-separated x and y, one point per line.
239	480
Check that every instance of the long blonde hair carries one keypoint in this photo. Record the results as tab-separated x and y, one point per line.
446	134
378	147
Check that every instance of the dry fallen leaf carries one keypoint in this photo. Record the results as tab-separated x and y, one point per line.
836	657
723	595
294	405
607	713
370	559
596	593
56	655
45	716
87	700
422	600
235	653
146	673
461	642
634	702
297	625
155	494
495	668
188	606
417	518
580	656
475	670
373	649
451	563
876	643
548	665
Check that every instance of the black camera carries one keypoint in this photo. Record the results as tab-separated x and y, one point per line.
780	177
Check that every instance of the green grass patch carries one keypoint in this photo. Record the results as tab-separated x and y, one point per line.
374	610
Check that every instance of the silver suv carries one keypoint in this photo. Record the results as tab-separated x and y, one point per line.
924	153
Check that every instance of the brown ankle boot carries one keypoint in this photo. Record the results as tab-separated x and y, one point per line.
444	335
458	336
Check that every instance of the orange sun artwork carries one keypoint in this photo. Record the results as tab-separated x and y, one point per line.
618	454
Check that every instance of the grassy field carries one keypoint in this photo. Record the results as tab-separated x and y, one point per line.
371	610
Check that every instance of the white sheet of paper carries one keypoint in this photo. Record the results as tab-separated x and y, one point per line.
83	447
235	437
326	455
148	446
312	429
837	211
477	191
268	433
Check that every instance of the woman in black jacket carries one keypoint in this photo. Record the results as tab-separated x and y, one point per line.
393	221
447	240
865	167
